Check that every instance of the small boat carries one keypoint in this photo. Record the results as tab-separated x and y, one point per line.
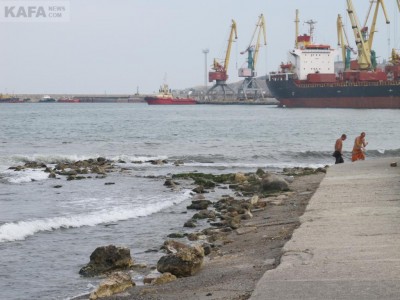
47	99
165	97
69	100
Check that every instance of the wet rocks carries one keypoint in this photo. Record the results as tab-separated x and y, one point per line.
185	262
107	258
271	182
71	170
115	283
199	204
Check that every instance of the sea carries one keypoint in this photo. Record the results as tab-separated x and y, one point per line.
47	234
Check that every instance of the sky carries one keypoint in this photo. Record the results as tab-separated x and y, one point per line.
121	46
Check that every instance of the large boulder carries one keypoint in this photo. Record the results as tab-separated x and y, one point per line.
107	258
185	262
272	182
114	284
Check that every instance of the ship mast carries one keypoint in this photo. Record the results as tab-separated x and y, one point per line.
296	40
311	24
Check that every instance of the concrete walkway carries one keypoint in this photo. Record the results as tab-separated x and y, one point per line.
348	244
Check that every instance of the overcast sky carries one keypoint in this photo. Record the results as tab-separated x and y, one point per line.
117	46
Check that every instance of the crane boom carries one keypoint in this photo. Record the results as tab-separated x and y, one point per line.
373	25
220	72
261	25
254	49
233	34
364	52
343	42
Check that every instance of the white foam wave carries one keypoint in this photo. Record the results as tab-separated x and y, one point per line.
20	230
53	159
25	175
129	158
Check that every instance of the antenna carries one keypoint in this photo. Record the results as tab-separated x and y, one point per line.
311	30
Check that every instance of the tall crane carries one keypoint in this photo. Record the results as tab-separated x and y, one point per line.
364	39
250	83
220	73
370	36
343	42
364	52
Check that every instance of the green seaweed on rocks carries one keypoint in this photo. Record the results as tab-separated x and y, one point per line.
206	180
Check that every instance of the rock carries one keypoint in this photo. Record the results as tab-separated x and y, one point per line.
173	246
199	204
207	248
107	258
199	189
170	183
176	235
254	200
186	262
164	278
393	164
240	177
190	223
233	222
101	160
115	283
271	182
260	172
205	214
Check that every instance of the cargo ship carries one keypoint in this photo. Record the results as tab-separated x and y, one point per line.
309	79
165	97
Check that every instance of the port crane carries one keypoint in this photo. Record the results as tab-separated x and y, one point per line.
395	56
220	72
343	43
364	39
250	82
370	36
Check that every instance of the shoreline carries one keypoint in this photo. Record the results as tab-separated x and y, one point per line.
236	263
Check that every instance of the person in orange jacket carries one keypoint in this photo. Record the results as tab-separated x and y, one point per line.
359	146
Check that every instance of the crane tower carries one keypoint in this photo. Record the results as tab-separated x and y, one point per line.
220	70
250	88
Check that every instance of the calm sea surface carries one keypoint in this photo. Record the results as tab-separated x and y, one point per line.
48	234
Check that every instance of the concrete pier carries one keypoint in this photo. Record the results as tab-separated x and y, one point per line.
348	244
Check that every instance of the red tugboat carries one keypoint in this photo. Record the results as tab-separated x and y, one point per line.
165	97
69	100
309	78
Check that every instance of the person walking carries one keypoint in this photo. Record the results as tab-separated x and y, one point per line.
338	154
359	147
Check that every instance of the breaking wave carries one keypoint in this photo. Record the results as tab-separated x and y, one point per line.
15	231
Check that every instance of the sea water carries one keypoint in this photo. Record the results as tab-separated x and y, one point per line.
47	234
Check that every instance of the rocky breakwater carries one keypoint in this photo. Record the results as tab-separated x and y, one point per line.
75	170
216	223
